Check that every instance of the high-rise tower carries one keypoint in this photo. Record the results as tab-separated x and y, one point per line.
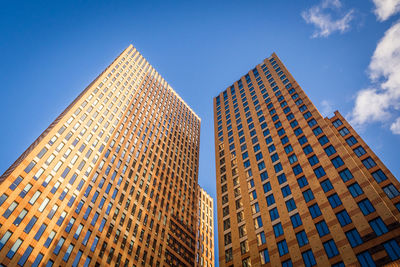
111	181
294	188
205	230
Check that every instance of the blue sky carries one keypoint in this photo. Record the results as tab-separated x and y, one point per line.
344	54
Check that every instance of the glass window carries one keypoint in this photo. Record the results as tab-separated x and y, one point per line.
346	175
392	249
366	206
351	141
302	181
319	172
378	226
379	176
322	228
274	214
343	218
331	249
278	230
334	200
391	191
354	238
330	150
308	195
14	248
308	258
264	256
365	259
296	220
355	190
359	151
5	238
314	211
302	238
283	248
369	163
25	256
326	185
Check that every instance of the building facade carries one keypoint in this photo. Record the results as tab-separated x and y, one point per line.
205	230
112	181
295	188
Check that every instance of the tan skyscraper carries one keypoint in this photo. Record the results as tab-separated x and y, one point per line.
205	230
294	188
112	181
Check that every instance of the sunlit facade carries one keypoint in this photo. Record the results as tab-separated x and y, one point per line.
294	188
112	181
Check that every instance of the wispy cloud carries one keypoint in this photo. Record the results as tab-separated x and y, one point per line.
386	8
327	108
321	16
382	98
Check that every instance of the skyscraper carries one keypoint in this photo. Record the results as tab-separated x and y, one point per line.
205	230
295	188
112	181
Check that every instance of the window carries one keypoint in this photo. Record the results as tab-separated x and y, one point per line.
228	255
16	182
278	167
292	158
10	209
365	259
326	185
343	218
297	169
317	131
14	248
286	191
355	190
351	141
369	163
334	200
323	140
331	249
25	256
337	162
308	195
290	205
40	232
281	178
330	150
302	238
59	245
303	140
264	256
308	258
267	187
379	176
283	248
392	249
68	252
346	175
261	238
278	230
296	220
50	239
391	191
302	181
274	214
378	226
314	210
5	238
354	238
287	263
359	151
337	123
31	223
366	206
319	172
313	160
307	149
322	228
270	199
258	222
344	131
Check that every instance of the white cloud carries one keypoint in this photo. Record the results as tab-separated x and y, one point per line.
320	16
327	108
395	127
386	8
378	102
